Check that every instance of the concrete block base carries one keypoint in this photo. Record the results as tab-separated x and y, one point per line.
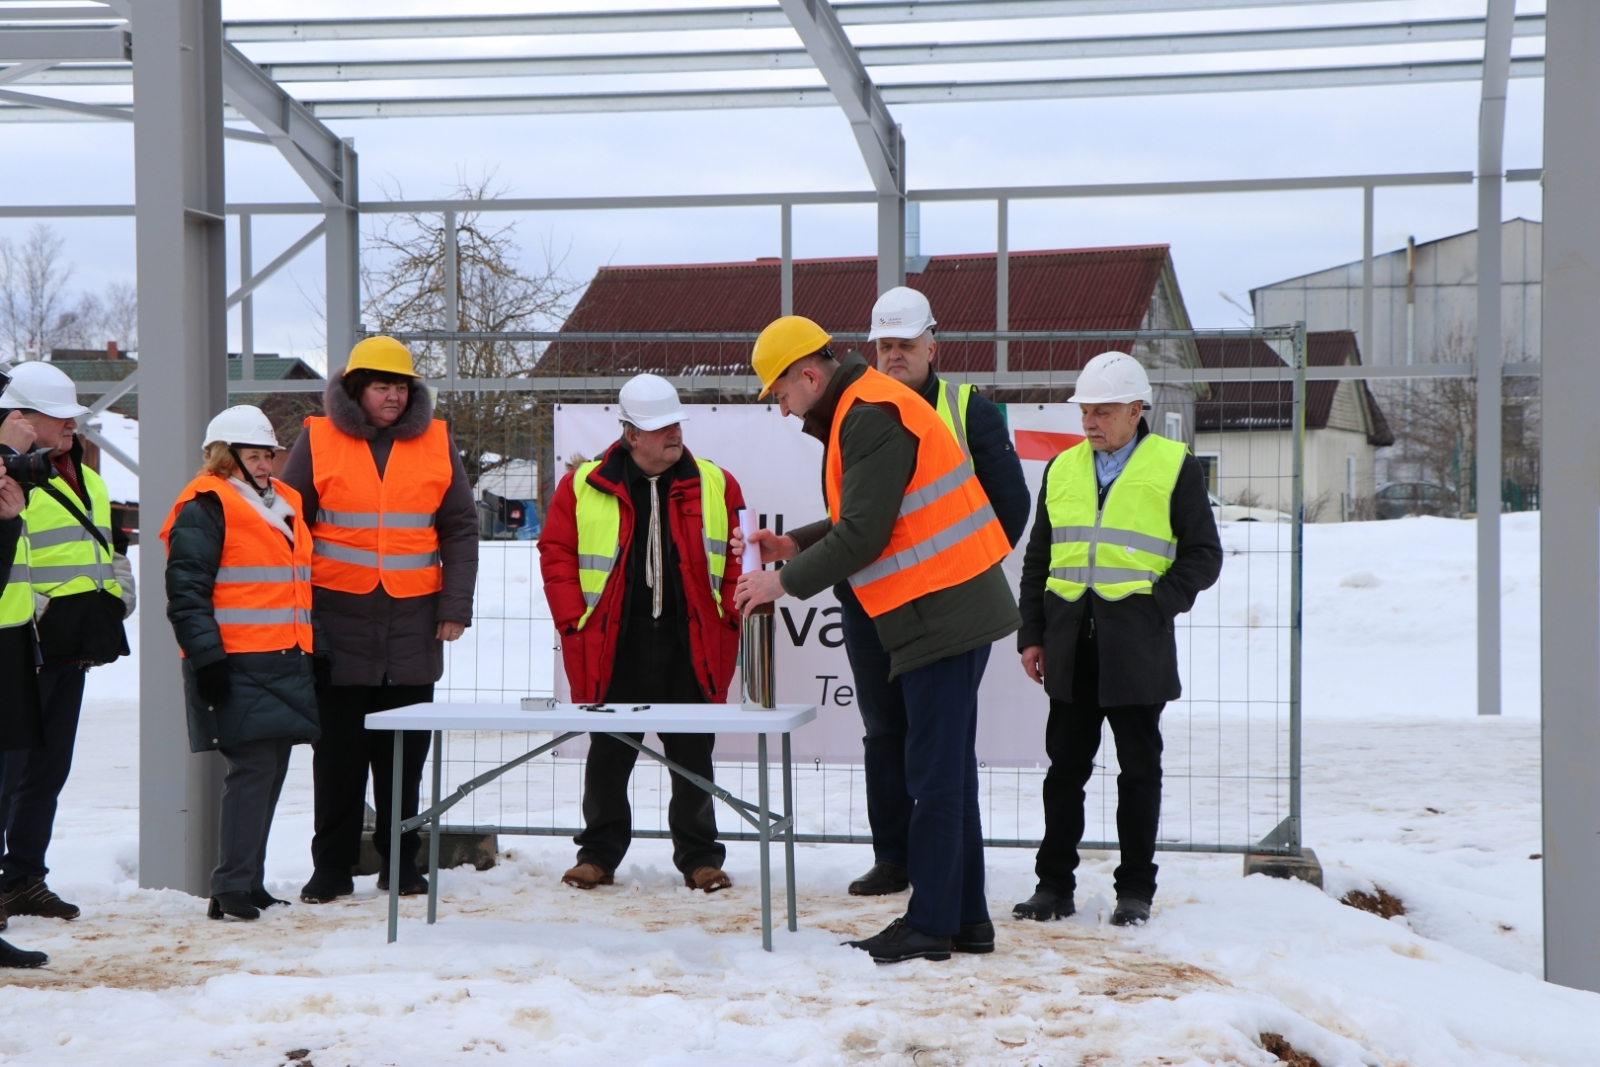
479	850
1305	866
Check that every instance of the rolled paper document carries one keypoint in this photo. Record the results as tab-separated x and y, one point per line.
752	553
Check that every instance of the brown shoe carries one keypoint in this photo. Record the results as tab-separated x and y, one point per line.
33	897
708	879
586	876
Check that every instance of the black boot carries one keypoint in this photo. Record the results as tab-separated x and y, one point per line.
1043	906
899	942
12	956
974	937
326	886
412	882
1131	911
882	879
264	900
233	906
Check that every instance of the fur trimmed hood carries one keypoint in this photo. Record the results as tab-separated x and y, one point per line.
348	418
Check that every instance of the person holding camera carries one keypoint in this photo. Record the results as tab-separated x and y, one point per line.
394	563
19	715
82	591
239	599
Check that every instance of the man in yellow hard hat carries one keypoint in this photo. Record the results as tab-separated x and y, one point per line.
395	559
912	537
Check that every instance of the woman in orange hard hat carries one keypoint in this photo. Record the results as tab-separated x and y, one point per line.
394	561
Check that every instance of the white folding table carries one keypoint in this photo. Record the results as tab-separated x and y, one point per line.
567	721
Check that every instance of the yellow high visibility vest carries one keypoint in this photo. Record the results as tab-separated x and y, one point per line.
1121	549
16	600
63	557
951	404
599	518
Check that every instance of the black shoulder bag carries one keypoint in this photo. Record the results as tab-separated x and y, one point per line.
82	627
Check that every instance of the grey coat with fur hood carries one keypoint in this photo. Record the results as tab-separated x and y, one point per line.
374	638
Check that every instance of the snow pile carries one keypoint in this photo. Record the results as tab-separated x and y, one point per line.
122	485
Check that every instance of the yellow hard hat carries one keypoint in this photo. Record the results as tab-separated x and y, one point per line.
381	354
781	343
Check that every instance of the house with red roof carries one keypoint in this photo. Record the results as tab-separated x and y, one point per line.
1112	289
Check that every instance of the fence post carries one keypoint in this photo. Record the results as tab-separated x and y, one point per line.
1296	583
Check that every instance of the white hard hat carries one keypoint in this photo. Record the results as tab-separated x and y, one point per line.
40	387
1112	378
243	425
901	312
649	402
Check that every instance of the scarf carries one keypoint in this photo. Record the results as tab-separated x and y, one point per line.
278	514
652	559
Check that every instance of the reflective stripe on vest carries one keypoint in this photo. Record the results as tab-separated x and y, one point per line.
598	515
16	600
946	532
63	557
261	599
370	529
1123	548
951	404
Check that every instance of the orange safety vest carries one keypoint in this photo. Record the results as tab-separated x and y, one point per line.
369	528
262	599
946	533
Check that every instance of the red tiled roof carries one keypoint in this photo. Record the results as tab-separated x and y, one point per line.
1270	405
1082	289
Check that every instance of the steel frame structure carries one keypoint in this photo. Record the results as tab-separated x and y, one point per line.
188	63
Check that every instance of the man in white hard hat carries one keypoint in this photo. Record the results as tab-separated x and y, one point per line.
634	554
1123	541
81	601
905	349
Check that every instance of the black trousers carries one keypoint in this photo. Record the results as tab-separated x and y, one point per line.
883	715
651	666
1072	738
250	789
339	769
34	776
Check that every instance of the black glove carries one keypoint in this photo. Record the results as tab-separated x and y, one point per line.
212	682
322	672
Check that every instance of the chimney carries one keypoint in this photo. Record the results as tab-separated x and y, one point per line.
111	350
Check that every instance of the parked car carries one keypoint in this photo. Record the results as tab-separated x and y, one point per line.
1245	513
1399	499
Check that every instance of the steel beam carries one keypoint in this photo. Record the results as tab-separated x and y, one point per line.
881	12
183	382
342	252
313	150
63	45
1569	580
1491	142
251	280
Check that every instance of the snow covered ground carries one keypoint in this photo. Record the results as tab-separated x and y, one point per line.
1405	790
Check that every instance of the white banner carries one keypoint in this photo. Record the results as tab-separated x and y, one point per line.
780	471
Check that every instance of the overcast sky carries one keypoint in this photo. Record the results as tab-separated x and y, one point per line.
1221	244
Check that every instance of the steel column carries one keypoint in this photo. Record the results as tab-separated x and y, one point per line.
1366	275
1491	140
786	259
1002	283
1569	581
182	365
342	246
247	305
452	299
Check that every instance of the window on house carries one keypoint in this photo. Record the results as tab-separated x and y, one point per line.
1173	426
1210	466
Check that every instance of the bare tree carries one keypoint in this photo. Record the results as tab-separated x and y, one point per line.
33	293
495	294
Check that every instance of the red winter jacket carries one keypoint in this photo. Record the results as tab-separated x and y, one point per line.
588	653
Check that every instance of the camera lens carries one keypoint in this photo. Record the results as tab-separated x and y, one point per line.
29	469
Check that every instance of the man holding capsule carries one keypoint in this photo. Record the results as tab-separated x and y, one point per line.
634	555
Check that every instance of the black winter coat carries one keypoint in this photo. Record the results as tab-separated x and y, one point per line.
20	726
1138	652
271	694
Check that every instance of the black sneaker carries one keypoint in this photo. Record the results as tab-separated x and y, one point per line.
233	906
974	937
33	897
412	883
1043	906
12	956
327	886
899	942
882	879
1131	911
264	900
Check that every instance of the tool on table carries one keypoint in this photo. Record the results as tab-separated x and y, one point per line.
756	638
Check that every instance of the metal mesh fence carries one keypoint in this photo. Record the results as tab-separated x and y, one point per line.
1231	763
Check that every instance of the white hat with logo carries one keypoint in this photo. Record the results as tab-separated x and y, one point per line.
901	312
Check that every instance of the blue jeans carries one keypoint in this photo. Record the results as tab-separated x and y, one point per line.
945	842
33	777
883	714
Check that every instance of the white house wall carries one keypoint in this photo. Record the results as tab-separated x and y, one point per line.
1262	462
1446	299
